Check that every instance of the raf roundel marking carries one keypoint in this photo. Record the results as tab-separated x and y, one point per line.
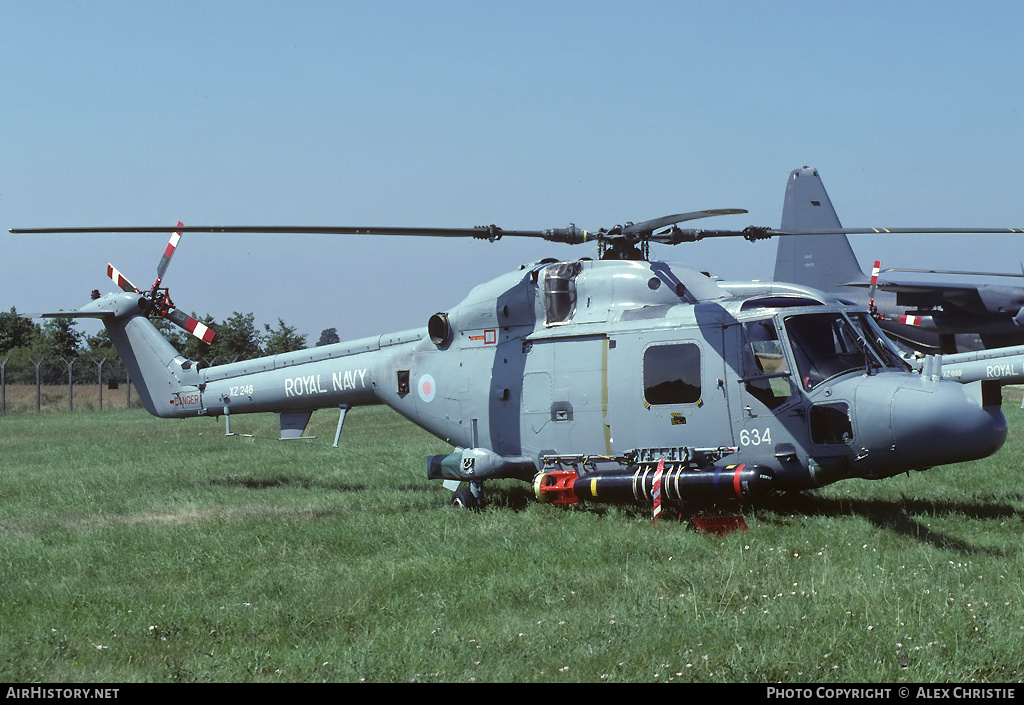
426	387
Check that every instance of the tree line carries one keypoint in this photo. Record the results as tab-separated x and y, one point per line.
59	340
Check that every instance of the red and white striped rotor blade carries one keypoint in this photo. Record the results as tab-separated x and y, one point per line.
875	281
165	260
199	330
120	279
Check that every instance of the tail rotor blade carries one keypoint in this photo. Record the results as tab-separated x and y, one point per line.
165	260
874	284
199	330
120	280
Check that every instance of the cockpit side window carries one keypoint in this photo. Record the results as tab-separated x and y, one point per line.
762	350
560	292
765	369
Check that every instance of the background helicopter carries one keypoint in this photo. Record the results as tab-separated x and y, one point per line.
618	379
929	316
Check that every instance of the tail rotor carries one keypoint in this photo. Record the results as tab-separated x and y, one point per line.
158	299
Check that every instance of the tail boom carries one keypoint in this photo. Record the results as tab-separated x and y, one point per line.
171	386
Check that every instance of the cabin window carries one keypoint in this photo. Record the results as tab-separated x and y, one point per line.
560	292
672	374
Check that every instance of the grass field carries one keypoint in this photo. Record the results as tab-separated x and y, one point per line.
137	549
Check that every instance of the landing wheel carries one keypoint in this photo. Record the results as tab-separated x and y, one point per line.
463	498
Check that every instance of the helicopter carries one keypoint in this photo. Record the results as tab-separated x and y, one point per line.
926	316
615	379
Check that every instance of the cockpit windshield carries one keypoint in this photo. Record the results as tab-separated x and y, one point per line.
829	344
882	346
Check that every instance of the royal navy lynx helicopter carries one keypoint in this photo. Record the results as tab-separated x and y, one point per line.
610	379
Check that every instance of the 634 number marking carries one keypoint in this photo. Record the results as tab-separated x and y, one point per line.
755	437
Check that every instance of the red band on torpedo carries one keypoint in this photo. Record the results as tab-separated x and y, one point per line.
736	481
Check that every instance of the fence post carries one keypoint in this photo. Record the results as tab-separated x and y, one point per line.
71	383
3	386
37	364
99	378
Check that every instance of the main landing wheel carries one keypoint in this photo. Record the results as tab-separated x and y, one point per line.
463	498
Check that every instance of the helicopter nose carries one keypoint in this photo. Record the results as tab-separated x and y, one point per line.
945	422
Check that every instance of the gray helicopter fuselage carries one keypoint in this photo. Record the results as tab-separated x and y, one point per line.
611	359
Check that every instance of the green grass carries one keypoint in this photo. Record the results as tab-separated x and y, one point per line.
136	549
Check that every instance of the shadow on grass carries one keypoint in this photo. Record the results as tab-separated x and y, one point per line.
502	495
285	481
897	516
905	517
319	484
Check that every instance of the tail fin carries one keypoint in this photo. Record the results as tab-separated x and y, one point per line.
819	261
157	370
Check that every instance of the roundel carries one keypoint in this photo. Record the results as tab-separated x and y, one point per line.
427	388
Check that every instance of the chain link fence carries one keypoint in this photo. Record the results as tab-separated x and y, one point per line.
29	385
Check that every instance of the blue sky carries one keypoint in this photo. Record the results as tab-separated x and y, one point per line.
454	114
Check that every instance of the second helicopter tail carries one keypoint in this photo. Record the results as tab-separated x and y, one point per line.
819	261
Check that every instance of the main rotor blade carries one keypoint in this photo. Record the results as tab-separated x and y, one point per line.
898	231
674	236
482	231
649	226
